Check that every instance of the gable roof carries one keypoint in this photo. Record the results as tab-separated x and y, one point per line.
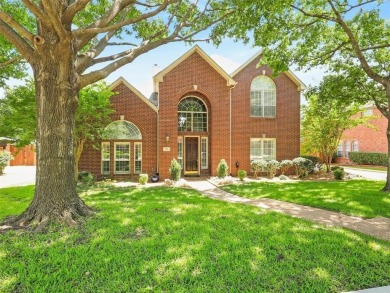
289	73
160	76
134	90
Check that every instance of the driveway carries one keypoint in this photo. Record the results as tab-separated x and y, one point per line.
18	176
368	174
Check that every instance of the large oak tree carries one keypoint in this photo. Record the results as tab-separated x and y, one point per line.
67	49
349	37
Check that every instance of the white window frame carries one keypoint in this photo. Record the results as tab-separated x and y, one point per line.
204	159
139	157
261	143
105	159
121	160
355	146
340	148
260	99
347	146
180	150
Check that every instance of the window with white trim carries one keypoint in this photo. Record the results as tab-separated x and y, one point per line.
192	115
180	150
122	157
355	146
347	148
263	148
340	149
263	97
105	158
204	153
137	157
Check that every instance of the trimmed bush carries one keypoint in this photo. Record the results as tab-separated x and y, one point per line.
143	178
86	178
303	166
360	158
258	166
272	167
222	169
314	159
339	174
242	174
285	165
283	177
175	170
5	157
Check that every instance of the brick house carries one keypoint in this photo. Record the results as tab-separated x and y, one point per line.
199	115
362	138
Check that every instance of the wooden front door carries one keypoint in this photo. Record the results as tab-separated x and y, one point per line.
191	155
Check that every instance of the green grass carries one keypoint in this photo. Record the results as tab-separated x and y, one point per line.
361	198
175	240
14	200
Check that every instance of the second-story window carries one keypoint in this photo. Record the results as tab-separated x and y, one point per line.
263	97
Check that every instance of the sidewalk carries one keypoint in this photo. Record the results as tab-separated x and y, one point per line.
377	227
18	176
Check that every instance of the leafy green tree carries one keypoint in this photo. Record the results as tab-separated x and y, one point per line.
326	116
18	116
67	49
349	37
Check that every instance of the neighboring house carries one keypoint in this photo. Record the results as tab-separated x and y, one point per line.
199	115
25	156
363	138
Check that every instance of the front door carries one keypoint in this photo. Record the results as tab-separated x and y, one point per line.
191	155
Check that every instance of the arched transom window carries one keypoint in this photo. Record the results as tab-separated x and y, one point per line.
263	97
122	130
192	115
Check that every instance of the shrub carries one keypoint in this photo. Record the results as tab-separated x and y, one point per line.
5	157
360	158
175	170
241	174
303	166
339	174
314	159
283	177
334	168
86	178
222	169
272	167
285	165
143	178
257	166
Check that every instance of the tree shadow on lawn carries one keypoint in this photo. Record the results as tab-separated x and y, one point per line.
361	198
169	239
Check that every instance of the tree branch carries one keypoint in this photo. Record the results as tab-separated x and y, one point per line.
20	44
375	47
355	46
53	17
34	9
10	61
314	15
72	9
16	26
121	44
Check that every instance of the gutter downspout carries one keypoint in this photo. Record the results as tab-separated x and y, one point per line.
230	128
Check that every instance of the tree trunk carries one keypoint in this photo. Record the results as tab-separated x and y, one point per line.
386	188
56	84
79	147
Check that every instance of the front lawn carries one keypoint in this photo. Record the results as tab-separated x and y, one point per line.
361	198
175	240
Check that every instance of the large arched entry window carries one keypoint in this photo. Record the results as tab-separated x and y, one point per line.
125	137
192	115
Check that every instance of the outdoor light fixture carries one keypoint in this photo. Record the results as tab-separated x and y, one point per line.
166	138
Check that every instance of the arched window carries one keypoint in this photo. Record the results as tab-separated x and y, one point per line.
355	146
263	97
122	130
192	115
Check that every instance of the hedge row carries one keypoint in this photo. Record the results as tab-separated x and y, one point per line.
360	158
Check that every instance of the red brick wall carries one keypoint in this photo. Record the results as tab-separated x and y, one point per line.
370	139
213	90
144	117
285	128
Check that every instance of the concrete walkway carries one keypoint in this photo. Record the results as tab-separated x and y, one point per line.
18	176
377	227
368	174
